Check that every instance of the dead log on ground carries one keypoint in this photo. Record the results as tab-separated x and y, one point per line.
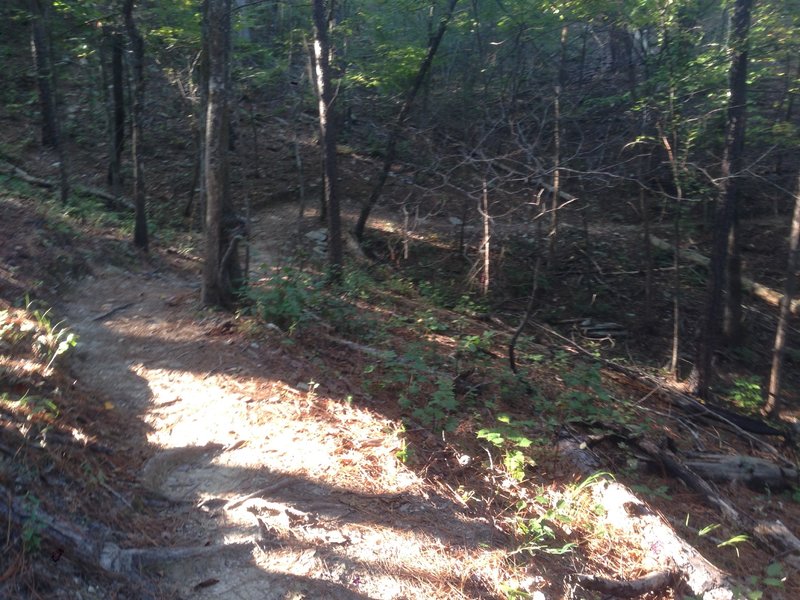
665	554
755	473
630	588
774	536
112	201
758	290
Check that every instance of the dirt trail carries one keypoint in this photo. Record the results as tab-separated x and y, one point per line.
298	489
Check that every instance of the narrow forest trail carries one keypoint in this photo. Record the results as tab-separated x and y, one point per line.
284	490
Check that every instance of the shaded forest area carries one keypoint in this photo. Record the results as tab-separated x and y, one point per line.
553	245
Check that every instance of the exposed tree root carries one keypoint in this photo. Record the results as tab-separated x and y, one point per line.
631	588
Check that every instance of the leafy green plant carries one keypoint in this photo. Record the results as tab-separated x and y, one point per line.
284	296
539	533
474	344
732	541
585	399
746	393
773	578
470	306
510	437
33	525
53	339
442	403
38	404
431	323
661	491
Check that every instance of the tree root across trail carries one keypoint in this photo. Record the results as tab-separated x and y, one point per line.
275	489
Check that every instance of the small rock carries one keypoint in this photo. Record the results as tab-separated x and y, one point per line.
318	235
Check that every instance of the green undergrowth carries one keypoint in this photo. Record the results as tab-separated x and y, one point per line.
442	367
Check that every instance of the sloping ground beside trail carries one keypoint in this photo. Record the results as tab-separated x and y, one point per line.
279	488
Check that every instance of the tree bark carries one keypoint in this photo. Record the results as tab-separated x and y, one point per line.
394	134
552	234
725	269
140	237
48	89
327	131
773	403
41	58
215	149
116	101
221	238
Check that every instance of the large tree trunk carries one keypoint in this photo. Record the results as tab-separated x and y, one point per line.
773	403
137	62
223	230
328	137
47	80
725	270
394	134
41	60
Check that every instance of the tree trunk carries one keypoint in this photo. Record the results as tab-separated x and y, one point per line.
773	403
41	58
486	250
137	62
552	236
725	256
116	100
215	149
223	231
328	138
394	135
47	79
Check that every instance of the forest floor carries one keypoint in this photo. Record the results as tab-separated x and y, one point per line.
236	456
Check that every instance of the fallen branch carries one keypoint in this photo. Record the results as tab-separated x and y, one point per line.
114	310
681	400
752	471
631	588
111	200
758	290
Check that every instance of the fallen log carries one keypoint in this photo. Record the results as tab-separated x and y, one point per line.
668	557
630	588
774	536
758	290
683	401
111	200
754	472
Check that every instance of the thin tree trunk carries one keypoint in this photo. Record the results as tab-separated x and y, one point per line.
773	403
117	112
137	62
314	78
217	288
486	248
394	135
671	148
721	267
328	138
552	236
